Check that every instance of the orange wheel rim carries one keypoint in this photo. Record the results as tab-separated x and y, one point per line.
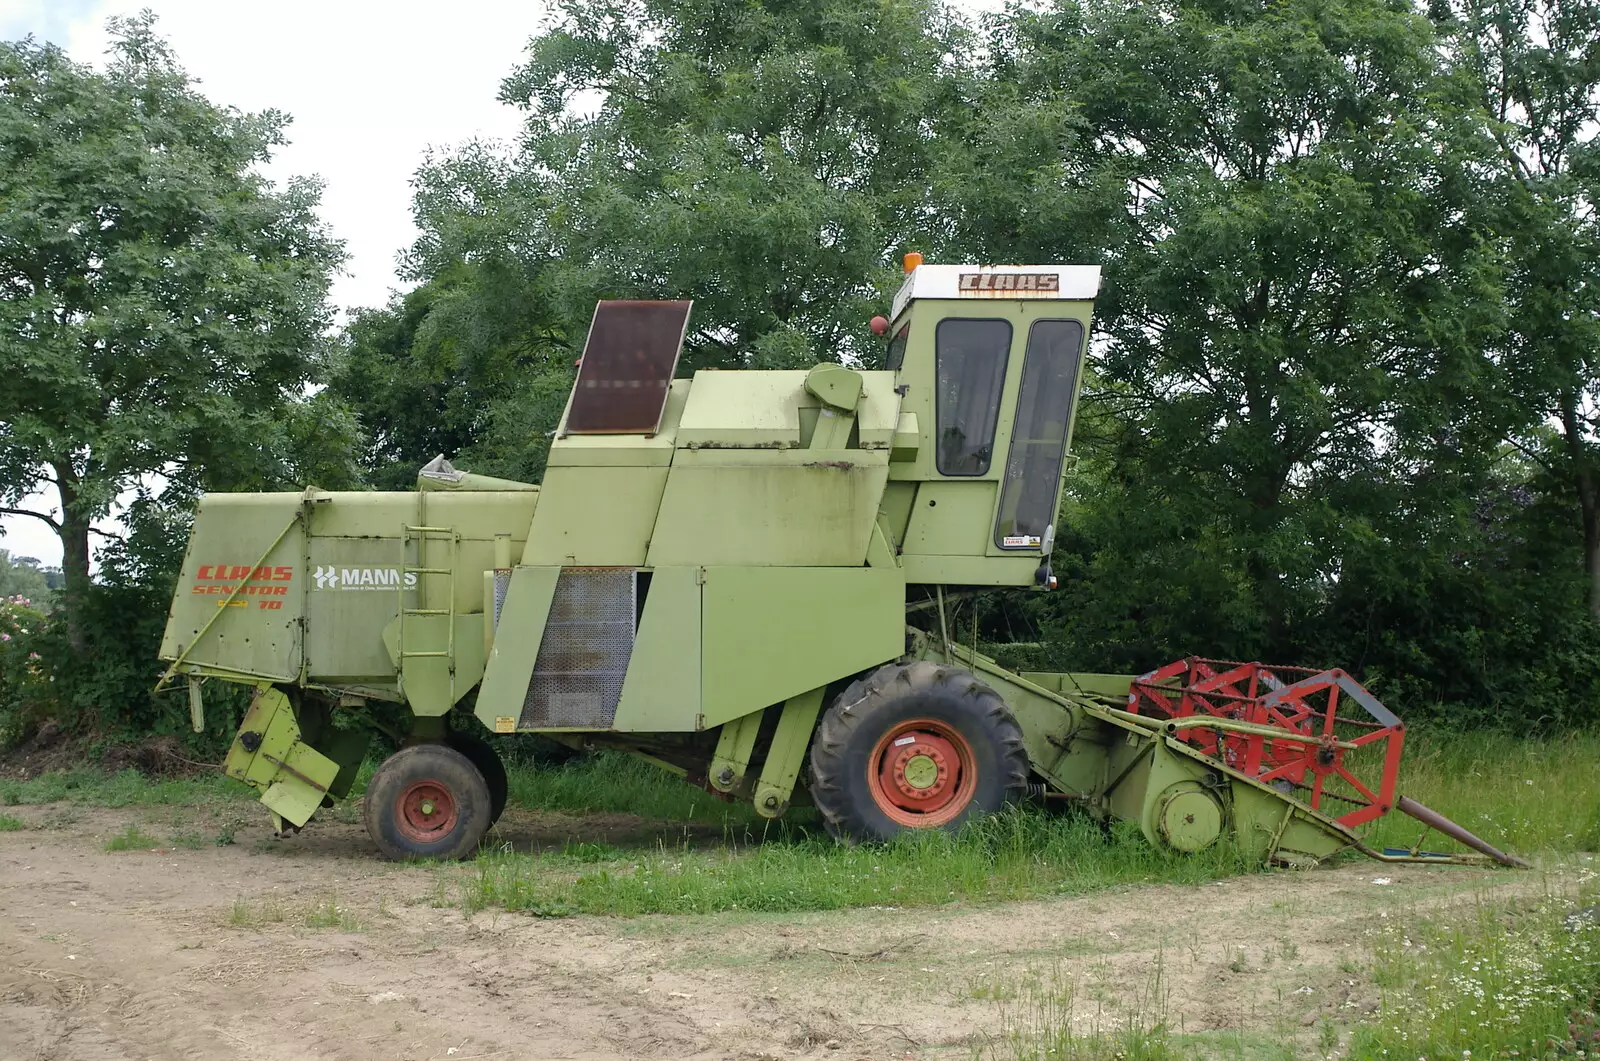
922	773
427	812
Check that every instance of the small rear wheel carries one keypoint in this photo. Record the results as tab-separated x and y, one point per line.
489	764
915	746
427	801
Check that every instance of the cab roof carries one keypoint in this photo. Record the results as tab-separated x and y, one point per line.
1059	282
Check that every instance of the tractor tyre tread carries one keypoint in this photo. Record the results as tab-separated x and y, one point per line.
848	811
483	755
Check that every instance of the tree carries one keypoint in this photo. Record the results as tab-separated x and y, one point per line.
1532	67
21	576
162	306
475	362
1294	318
765	158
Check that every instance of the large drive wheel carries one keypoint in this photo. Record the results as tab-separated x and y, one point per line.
487	760
915	746
427	801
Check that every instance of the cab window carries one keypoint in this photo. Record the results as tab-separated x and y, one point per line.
1039	434
970	368
896	354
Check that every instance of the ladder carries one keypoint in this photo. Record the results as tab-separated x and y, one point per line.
421	535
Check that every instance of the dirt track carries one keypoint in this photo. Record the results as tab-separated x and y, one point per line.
209	953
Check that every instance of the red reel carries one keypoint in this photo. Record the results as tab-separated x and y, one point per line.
1317	735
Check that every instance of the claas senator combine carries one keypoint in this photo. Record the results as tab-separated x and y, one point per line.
715	574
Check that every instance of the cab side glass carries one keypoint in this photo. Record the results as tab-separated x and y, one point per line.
1039	436
970	370
896	355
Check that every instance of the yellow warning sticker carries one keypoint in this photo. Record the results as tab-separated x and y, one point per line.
505	724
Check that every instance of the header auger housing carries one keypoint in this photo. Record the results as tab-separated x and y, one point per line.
714	574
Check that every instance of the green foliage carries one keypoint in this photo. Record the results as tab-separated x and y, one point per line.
1292	441
8	824
1522	795
23	681
764	159
161	305
1509	982
21	576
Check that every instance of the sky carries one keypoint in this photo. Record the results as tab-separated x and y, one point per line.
371	85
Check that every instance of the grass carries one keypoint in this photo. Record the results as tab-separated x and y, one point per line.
132	839
1017	855
324	913
8	824
1480	780
1497	980
1507	982
90	786
617	783
1526	796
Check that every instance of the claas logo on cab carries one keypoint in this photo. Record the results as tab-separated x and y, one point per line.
221	579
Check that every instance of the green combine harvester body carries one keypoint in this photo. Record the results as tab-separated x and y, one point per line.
715	574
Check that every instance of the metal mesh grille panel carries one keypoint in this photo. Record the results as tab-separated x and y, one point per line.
628	362
583	656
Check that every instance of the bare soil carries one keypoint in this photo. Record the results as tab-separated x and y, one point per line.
313	948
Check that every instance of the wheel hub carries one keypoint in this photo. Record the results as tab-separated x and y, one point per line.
427	811
923	773
918	770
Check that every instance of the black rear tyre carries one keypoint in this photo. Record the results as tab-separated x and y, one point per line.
489	764
427	801
915	746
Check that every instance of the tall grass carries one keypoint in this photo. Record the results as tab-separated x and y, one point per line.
617	783
1524	795
1016	855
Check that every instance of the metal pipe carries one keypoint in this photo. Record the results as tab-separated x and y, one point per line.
1434	819
1234	726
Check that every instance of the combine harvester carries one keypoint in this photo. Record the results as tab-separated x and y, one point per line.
715	576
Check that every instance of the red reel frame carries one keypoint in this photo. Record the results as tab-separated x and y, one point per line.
1316	744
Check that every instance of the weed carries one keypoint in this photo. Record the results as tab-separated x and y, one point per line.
1521	795
187	841
245	914
329	914
1050	1019
63	818
8	824
1015	855
617	783
225	834
1513	981
132	839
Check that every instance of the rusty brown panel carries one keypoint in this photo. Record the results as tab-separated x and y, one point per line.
628	363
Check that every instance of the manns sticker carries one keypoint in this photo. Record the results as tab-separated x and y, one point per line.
331	576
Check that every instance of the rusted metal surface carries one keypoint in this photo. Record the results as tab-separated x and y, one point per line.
628	363
1434	820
